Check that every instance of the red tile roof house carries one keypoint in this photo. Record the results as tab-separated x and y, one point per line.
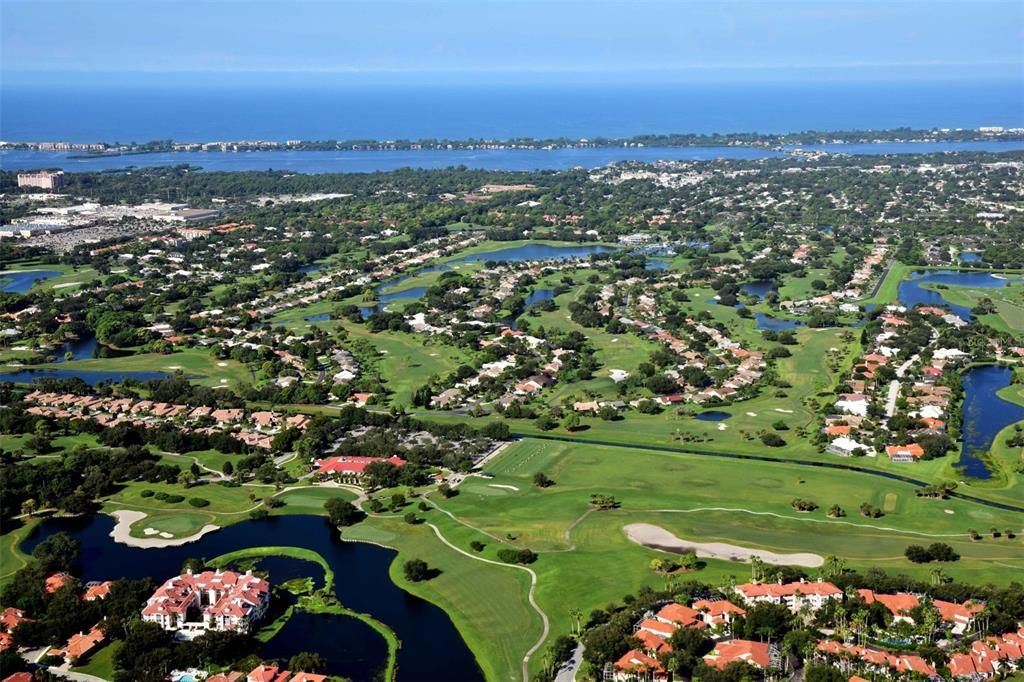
758	654
352	466
11	618
718	612
679	616
55	581
262	673
910	452
80	645
233	676
795	596
97	591
19	677
961	616
636	665
221	600
899	604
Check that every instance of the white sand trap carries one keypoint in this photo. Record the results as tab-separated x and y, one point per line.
656	537
949	511
127	517
499	485
722	427
751	414
173	367
618	375
779	409
222	364
223	381
150	531
66	284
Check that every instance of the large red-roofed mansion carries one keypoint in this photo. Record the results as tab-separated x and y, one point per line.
191	604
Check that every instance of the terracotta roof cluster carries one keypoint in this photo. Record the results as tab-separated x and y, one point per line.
902	603
781	590
900	663
989	656
271	673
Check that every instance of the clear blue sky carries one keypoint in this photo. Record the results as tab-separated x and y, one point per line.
485	40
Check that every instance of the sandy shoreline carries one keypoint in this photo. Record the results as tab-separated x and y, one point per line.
127	517
656	537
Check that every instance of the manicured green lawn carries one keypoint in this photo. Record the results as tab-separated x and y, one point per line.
101	663
586	561
11	557
310	500
486	603
1008	301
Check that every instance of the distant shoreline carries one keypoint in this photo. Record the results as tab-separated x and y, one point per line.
776	142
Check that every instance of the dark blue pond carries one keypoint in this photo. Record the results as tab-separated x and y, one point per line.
759	289
985	415
431	646
538	295
83	348
319	317
311	268
912	294
775	324
20	282
713	416
657	265
90	377
535	252
970	257
352	648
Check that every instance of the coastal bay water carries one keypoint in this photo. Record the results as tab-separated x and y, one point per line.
431	646
156	111
486	159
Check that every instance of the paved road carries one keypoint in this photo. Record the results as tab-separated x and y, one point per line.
890	400
567	673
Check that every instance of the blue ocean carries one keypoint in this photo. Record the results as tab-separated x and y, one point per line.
127	113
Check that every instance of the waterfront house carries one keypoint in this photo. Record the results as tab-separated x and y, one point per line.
910	452
191	604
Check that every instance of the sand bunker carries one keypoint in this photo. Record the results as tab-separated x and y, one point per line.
656	537
127	517
506	487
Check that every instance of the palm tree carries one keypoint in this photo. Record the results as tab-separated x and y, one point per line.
577	618
938	577
756	568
